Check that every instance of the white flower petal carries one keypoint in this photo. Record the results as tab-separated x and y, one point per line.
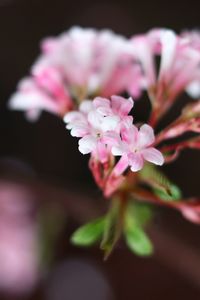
95	120
32	100
169	42
110	123
86	106
117	151
145	136
135	161
153	155
87	144
79	131
72	116
144	52
193	89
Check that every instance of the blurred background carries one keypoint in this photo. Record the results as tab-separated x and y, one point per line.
40	167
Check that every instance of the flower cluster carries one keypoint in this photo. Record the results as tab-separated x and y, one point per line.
179	60
78	64
179	67
106	128
81	77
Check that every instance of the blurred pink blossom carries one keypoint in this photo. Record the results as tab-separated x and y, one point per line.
179	62
19	263
78	64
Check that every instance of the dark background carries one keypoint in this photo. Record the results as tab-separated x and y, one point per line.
44	149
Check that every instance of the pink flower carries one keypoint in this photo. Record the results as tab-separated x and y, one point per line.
179	65
46	92
193	39
97	123
99	62
105	127
76	65
136	147
117	106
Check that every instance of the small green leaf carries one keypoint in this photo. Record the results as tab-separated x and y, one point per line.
175	193
137	216
139	212
89	233
160	184
138	242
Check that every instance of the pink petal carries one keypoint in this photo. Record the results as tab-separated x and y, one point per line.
136	161
87	144
190	214
73	116
127	122
153	155
101	102
104	111
121	105
79	131
146	136
33	99
95	119
129	133
121	165
102	106
48	45
111	138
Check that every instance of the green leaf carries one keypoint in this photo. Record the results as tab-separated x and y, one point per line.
89	233
137	216
175	193
112	229
139	212
160	184
138	242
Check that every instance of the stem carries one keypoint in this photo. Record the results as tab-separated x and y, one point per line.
153	119
114	224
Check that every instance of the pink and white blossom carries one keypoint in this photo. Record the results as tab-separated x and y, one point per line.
98	62
105	126
179	65
98	124
193	38
78	64
135	148
44	93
